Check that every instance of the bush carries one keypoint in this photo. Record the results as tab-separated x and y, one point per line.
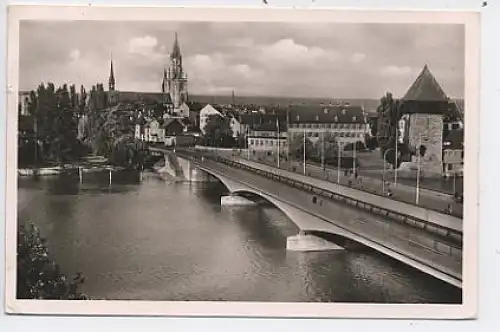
38	277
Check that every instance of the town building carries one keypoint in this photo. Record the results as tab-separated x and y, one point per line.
266	137
346	123
421	125
160	131
453	153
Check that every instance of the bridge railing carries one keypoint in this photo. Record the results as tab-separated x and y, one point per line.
451	239
437	244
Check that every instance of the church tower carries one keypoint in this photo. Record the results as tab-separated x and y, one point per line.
174	84
112	93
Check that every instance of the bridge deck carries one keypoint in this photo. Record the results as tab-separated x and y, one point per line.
390	235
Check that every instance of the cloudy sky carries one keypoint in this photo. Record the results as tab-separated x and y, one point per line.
269	59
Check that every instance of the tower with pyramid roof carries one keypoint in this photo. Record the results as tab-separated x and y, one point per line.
174	84
423	107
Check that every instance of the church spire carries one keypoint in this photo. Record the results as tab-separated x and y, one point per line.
176	51
111	81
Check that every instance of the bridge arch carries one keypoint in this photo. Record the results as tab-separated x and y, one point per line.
305	222
317	224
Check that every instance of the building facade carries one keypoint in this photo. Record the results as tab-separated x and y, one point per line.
265	138
453	153
346	123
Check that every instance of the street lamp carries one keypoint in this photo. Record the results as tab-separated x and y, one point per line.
417	192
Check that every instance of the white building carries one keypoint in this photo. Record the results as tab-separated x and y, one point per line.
346	123
265	139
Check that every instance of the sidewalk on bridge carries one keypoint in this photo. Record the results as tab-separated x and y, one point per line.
404	193
427	199
409	242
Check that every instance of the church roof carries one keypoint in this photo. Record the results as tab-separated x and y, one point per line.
425	88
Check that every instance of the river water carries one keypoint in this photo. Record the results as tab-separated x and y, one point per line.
158	240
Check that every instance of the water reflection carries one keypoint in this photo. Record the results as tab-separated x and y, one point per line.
156	240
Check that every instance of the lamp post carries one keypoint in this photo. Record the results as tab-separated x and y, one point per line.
278	128
383	173
396	149
339	151
417	192
323	150
304	156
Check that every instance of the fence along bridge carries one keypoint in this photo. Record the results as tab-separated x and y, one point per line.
428	247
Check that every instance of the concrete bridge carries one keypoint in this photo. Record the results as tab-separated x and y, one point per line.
317	213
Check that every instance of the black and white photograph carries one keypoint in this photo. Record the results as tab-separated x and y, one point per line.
295	161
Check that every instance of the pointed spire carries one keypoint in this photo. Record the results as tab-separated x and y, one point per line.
176	51
425	88
111	76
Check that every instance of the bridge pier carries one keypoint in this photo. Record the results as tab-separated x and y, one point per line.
236	200
307	242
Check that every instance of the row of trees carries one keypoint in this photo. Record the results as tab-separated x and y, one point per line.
324	149
111	134
218	132
53	118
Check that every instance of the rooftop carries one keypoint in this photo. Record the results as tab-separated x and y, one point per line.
425	88
326	114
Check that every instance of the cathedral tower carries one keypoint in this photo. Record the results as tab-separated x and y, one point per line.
174	79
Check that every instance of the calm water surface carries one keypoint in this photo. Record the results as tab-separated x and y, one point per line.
164	241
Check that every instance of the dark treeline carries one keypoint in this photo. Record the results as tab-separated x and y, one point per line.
63	126
51	128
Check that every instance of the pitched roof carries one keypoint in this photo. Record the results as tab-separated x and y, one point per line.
326	114
271	126
425	88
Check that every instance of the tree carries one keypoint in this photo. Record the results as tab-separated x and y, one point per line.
297	147
54	122
218	131
387	126
325	147
38	277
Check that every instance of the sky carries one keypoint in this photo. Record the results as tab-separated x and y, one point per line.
320	60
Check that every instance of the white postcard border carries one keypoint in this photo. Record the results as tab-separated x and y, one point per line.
467	309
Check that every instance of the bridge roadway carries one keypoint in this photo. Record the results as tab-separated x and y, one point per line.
415	247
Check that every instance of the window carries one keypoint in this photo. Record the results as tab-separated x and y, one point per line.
297	117
317	118
336	118
325	111
354	119
343	111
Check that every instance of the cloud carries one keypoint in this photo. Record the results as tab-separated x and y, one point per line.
288	52
255	58
74	54
142	45
396	70
357	57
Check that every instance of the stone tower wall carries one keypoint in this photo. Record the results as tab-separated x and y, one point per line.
430	127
